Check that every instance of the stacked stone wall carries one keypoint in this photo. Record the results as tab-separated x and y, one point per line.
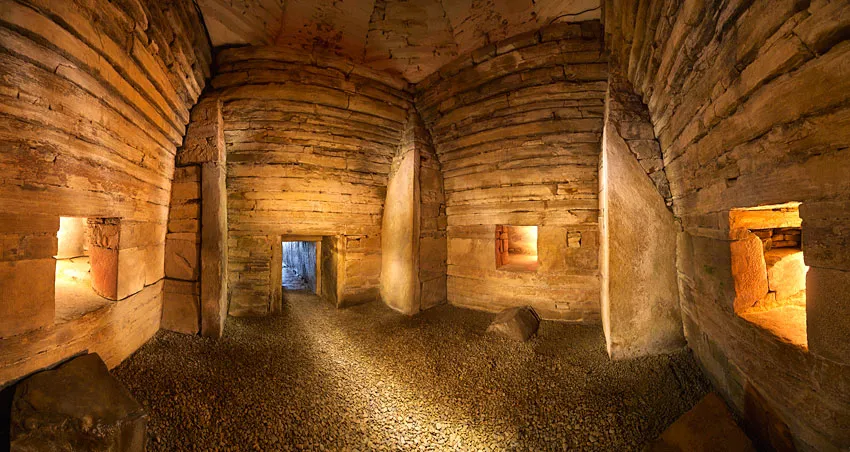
750	102
95	97
517	127
432	221
309	143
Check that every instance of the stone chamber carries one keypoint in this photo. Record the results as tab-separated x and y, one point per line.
287	224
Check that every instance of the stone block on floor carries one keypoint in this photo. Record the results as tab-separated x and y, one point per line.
77	406
708	427
515	323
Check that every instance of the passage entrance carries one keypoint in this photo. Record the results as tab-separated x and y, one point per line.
299	269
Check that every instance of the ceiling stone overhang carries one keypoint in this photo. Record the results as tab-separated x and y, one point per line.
410	38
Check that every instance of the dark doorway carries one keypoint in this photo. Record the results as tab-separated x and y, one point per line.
299	268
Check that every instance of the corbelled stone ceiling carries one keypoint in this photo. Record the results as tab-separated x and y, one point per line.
412	38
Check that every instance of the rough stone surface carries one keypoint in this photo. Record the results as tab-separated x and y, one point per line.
517	136
707	427
409	38
95	332
825	248
243	21
74	294
118	264
309	147
28	295
518	324
104	271
131	271
73	233
181	309
214	247
750	272
181	301
640	293
827	317
27	272
628	117
95	97
182	258
786	272
400	232
746	105
413	232
331	269
432	221
712	76
366	378
196	248
77	406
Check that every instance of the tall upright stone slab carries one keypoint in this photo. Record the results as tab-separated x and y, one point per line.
400	230
196	249
413	244
640	297
213	249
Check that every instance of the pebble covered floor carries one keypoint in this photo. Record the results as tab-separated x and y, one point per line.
367	378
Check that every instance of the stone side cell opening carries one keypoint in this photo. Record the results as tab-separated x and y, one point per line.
769	269
86	270
516	248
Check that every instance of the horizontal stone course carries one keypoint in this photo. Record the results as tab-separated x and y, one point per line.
749	104
517	130
95	97
309	144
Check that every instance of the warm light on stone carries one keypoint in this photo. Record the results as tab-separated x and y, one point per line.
655	195
516	248
769	269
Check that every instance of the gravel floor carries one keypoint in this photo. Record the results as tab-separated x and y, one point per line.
366	378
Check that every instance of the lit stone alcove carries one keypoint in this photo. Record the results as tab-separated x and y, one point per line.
769	269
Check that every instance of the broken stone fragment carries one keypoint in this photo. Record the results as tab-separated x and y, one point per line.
515	323
77	406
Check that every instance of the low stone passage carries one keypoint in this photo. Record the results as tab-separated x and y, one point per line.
292	280
298	271
366	378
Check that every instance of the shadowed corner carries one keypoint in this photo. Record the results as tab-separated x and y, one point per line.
7	395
